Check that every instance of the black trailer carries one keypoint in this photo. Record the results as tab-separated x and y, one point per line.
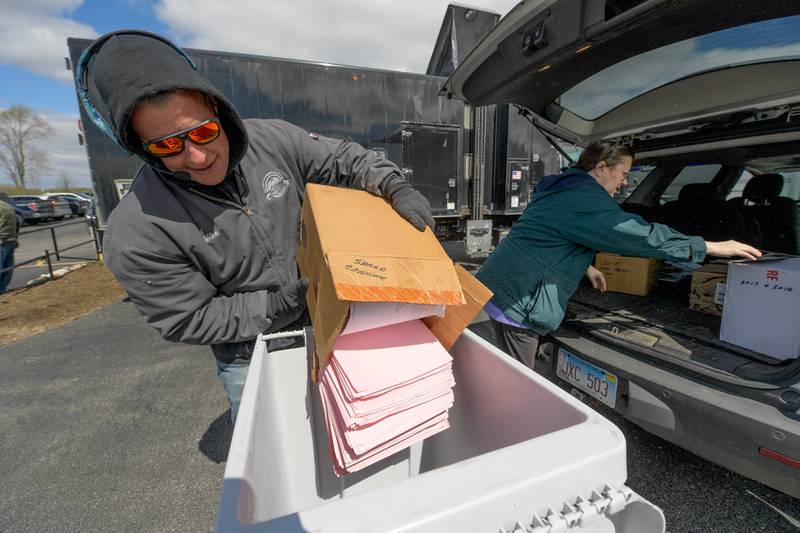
469	163
397	114
506	154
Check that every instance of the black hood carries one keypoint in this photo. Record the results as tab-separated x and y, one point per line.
128	67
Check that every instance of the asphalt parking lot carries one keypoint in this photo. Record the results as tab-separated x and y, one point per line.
107	428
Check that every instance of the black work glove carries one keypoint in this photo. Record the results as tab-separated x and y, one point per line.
409	203
284	306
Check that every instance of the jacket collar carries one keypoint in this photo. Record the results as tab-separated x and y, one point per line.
569	179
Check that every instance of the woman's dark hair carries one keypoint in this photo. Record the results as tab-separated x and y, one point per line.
611	153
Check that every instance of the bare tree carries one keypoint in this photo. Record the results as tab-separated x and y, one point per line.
18	127
37	164
64	181
33	180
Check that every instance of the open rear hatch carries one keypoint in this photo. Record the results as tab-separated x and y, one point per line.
641	71
651	74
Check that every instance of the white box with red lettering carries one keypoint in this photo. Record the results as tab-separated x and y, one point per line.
762	306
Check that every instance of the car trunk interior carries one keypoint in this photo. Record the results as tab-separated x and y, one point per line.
661	324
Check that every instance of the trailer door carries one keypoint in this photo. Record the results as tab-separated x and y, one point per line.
432	163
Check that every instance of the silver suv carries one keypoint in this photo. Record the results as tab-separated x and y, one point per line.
707	94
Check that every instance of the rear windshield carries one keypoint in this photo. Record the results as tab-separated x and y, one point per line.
791	184
688	175
637	175
759	42
691	173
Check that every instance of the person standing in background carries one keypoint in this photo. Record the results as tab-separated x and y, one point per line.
9	230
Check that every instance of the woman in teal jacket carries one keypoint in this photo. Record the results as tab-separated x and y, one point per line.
538	266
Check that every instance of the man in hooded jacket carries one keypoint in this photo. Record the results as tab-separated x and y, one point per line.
205	240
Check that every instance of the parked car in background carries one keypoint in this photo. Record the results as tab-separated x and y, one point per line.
78	204
706	95
61	208
86	194
32	209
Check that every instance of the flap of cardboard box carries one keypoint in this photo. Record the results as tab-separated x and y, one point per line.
448	328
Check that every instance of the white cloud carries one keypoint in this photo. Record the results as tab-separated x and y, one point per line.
34	35
63	152
371	33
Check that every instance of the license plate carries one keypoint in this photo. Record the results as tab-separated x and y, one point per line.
592	380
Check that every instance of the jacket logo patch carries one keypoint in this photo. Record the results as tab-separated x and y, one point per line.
275	185
214	235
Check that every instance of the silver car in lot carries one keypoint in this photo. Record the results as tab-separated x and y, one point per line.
77	203
707	94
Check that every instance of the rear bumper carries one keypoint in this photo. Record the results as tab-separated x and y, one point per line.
719	426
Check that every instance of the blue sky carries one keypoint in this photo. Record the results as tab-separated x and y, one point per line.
21	86
34	32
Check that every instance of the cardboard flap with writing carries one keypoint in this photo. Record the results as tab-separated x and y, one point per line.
366	277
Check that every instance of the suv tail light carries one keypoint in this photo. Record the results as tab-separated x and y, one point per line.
777	456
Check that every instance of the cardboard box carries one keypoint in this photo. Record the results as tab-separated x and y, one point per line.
631	275
355	248
762	306
708	288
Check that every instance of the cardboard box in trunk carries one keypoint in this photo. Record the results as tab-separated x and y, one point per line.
762	306
355	248
631	275
708	288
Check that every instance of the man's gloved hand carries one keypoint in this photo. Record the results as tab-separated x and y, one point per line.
409	203
284	306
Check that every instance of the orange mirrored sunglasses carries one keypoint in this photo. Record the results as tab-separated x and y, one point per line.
174	143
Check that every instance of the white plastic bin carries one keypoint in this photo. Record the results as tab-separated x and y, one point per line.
521	455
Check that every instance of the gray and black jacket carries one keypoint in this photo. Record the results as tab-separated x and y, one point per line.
198	266
198	262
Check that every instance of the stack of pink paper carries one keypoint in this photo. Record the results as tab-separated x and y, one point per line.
383	390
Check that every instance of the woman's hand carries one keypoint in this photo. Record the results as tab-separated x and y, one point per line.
597	278
732	249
